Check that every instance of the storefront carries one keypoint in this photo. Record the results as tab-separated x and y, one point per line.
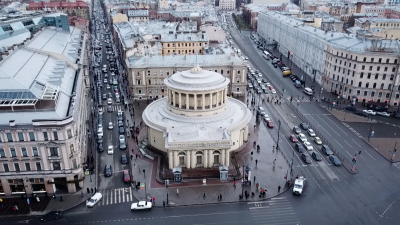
1	189
37	185
16	186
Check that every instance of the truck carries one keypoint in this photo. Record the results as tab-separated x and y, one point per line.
299	185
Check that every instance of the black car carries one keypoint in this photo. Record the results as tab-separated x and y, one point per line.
304	126
53	215
360	113
335	160
351	108
316	156
124	159
101	148
121	130
299	147
296	129
306	158
325	149
108	171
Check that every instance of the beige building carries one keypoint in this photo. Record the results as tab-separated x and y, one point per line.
146	74
43	114
139	15
119	18
380	27
197	125
369	74
184	43
227	4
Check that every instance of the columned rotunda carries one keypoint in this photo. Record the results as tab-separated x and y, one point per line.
198	125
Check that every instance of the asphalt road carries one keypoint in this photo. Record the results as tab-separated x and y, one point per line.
111	136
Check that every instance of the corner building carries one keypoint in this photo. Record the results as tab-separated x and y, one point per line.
198	125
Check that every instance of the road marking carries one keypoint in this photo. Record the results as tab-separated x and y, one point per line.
370	155
327	124
338	143
336	125
349	153
319	125
123	197
356	143
130	192
348	143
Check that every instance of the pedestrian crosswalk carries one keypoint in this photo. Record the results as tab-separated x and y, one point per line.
116	196
115	108
305	99
274	211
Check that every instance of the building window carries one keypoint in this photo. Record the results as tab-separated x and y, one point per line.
361	75
28	166
35	151
53	151
394	69
367	85
38	166
71	148
372	59
370	68
391	77
6	169
21	136
385	69
13	152
2	153
379	94
56	166
365	93
365	59
373	94
387	95
359	84
32	136
46	138
387	60
380	60
24	152
69	133
149	81
17	169
55	135
369	76
9	137
378	68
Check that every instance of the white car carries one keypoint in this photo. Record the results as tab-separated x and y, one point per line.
267	84
266	117
110	126
273	91
299	185
383	114
110	150
302	137
369	112
141	205
100	110
311	132
308	146
94	200
109	101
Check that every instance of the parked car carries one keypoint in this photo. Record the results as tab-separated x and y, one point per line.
335	160
108	171
269	124
383	114
369	112
142	205
53	215
325	149
94	199
351	108
101	148
121	130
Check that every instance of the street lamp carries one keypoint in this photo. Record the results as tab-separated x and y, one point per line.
279	129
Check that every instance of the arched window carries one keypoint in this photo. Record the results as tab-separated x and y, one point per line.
199	153
216	152
181	153
382	85
366	85
374	85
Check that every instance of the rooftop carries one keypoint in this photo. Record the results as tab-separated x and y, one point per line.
37	82
136	13
184	36
378	20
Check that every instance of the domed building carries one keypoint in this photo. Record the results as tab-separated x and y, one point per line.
197	125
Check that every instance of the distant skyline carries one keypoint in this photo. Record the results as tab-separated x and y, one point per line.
266	2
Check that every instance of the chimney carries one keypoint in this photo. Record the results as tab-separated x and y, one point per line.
12	123
202	36
176	36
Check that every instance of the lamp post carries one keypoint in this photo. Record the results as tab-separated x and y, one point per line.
279	129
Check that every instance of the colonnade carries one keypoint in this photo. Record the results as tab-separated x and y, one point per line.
197	101
191	161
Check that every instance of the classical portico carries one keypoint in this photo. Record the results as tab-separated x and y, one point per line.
198	125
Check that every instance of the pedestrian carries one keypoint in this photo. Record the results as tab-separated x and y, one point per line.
61	198
131	157
177	192
254	179
220	196
136	156
81	194
256	162
279	188
91	190
204	196
132	148
88	190
154	200
274	161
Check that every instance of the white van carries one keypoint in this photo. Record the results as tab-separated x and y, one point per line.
94	200
308	91
266	55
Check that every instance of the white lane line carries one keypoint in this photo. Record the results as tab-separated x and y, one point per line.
119	195
336	125
356	143
130	193
321	127
348	143
362	157
328	125
338	143
111	192
301	161
123	196
107	198
370	155
349	154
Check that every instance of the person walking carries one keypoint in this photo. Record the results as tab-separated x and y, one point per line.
254	179
131	157
274	161
91	190
204	196
279	188
88	190
177	192
95	189
220	196
256	162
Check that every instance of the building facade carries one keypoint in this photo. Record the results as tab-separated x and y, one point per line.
78	8
140	15
184	43
227	4
197	125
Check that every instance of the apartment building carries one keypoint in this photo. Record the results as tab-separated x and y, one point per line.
380	27
43	114
146	73
227	4
140	15
184	43
78	8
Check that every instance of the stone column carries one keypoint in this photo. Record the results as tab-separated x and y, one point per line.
217	98
193	159
171	159
210	159
205	158
223	157
187	101
203	101
188	158
195	101
176	158
173	98
246	133
227	158
180	100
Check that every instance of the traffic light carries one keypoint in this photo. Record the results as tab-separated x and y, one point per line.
354	160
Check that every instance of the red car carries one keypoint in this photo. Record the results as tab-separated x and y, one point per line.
127	177
293	138
270	87
269	124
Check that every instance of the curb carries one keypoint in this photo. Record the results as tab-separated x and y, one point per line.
379	152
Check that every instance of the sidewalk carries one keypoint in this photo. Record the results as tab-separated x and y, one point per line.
191	193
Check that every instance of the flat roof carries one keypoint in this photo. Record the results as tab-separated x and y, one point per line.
182	37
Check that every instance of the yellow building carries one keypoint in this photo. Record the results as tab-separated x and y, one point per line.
119	18
184	43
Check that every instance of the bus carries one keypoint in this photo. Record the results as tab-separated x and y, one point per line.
266	55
